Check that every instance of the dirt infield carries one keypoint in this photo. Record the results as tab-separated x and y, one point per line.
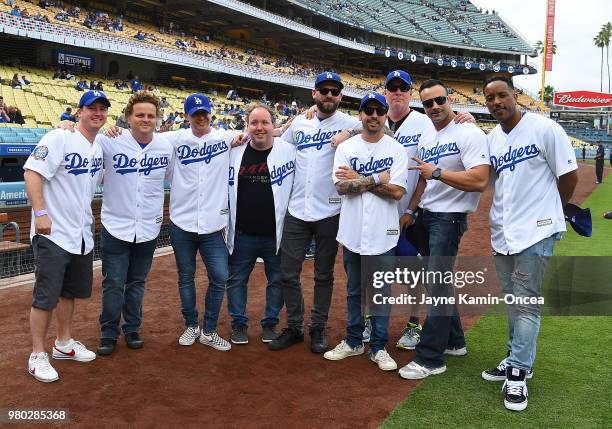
166	385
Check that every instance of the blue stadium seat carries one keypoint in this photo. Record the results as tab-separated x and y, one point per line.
11	139
31	139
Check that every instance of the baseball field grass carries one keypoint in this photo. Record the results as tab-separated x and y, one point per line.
572	373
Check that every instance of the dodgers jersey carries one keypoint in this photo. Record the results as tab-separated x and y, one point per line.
314	196
456	147
71	167
133	196
526	163
281	166
416	127
369	224
199	189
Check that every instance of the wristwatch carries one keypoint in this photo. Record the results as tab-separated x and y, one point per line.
436	174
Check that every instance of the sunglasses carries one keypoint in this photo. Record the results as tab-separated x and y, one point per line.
402	88
440	101
369	110
334	91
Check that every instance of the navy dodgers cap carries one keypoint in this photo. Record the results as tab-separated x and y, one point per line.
328	77
398	74
196	102
373	96
91	97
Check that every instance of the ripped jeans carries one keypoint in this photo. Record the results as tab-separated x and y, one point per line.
521	275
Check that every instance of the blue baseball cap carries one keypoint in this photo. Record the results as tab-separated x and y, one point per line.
398	74
328	77
196	102
373	96
579	219
91	97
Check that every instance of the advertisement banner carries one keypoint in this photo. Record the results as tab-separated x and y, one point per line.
550	34
582	99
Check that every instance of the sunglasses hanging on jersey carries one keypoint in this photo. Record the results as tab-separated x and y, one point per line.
369	110
334	91
440	101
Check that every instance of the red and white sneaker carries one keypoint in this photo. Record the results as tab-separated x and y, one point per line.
75	350
40	368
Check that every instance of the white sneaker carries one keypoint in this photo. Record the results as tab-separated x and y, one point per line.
461	351
343	350
75	350
40	368
189	335
215	341
384	361
414	371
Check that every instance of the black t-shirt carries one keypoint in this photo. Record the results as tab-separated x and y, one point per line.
394	126
255	204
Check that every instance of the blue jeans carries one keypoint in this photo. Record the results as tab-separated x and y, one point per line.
247	248
214	255
355	323
125	267
521	275
441	233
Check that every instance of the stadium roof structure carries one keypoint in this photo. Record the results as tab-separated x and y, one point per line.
454	23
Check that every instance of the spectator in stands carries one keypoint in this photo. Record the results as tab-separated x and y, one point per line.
15	11
136	85
15	115
179	119
90	20
583	153
4	118
1	101
92	84
25	13
122	120
81	85
67	115
186	124
15	84
99	86
23	80
139	36
164	103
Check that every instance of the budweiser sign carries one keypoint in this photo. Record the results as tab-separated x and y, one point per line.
583	99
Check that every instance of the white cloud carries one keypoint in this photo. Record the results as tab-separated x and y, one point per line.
576	65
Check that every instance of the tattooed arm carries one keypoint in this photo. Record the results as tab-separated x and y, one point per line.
389	191
355	186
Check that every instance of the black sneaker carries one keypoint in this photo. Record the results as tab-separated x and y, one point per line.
287	338
106	347
499	372
268	333
239	335
134	340
515	389
318	342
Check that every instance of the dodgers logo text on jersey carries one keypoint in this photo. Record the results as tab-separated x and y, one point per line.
438	151
96	165
76	164
278	173
408	141
188	155
513	156
372	166
125	165
318	139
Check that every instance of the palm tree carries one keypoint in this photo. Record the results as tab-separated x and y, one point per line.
548	93
539	47
606	31
599	42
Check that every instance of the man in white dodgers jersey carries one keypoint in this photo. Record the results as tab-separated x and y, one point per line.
534	172
455	166
408	127
260	182
199	217
314	209
61	176
136	165
369	221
